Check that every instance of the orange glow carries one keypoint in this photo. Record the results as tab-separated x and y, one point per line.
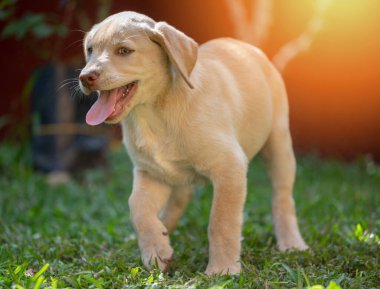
334	87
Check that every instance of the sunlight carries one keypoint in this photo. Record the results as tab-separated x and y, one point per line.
304	41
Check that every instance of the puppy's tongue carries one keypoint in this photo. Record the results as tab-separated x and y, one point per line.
102	108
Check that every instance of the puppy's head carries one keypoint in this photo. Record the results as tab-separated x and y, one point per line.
131	60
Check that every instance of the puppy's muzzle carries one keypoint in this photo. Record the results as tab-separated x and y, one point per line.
89	78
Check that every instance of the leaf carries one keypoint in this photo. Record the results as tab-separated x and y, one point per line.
366	236
333	285
13	29
40	280
97	283
61	30
5	14
7	3
290	272
71	281
19	28
150	279
54	283
316	287
18	269
134	271
42	30
359	232
305	277
39	273
35	24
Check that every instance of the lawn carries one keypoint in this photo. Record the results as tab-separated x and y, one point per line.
79	235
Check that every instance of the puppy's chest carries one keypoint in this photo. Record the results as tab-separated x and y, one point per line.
159	153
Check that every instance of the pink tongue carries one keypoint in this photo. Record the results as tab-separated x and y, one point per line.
102	108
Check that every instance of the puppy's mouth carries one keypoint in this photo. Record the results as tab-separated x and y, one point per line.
111	104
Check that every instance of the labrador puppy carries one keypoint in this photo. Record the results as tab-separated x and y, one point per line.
191	113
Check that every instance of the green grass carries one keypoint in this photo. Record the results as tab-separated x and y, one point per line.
79	235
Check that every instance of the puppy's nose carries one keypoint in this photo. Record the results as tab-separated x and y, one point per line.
88	78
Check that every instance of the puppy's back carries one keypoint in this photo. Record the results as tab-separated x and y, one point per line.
241	79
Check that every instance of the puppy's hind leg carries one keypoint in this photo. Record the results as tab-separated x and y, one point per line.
175	206
279	158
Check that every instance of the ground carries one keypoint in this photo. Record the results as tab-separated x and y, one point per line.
79	235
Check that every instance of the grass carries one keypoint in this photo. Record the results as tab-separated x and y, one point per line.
79	235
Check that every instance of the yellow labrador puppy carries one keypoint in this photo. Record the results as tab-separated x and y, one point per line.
190	113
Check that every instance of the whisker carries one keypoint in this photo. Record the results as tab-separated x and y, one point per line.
78	30
75	90
72	44
76	93
71	78
67	82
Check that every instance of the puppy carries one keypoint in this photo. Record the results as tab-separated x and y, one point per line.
190	113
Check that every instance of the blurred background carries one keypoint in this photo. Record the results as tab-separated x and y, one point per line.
328	52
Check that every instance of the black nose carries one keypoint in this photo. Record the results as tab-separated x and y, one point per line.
88	78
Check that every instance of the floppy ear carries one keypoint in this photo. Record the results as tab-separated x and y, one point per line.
181	49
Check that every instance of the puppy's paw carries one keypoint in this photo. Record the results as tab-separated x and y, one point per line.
296	244
231	269
157	254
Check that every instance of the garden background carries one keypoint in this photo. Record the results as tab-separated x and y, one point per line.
77	234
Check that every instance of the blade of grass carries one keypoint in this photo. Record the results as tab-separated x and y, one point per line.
39	273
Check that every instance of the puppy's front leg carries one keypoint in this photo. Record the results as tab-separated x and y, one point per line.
148	197
226	217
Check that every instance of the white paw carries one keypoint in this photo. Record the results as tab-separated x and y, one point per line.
158	254
297	244
231	269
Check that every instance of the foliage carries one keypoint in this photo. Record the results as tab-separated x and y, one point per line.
38	25
79	235
32	28
365	236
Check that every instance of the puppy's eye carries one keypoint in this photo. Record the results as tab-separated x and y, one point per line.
124	51
89	50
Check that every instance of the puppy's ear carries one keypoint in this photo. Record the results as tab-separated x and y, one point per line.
181	49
